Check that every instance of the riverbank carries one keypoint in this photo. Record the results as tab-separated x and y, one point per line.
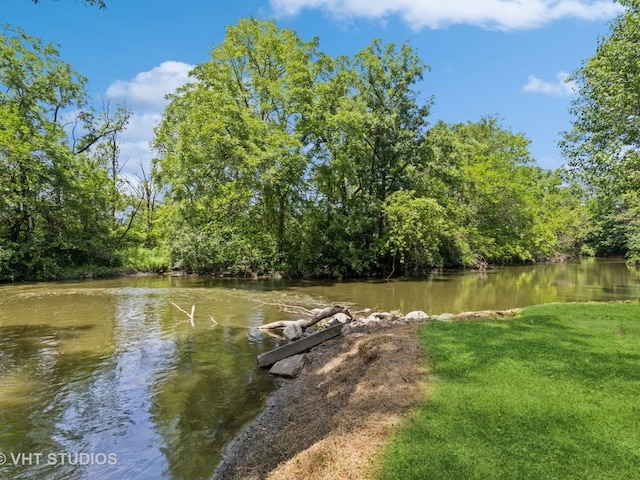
340	419
332	421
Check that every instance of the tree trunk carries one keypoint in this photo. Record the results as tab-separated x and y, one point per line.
321	315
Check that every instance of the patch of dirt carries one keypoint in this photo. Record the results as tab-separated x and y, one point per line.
331	421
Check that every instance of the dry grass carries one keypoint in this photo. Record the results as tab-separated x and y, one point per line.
332	421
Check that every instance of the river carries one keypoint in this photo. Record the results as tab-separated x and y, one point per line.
107	378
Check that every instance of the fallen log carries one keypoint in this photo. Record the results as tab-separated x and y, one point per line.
299	346
303	324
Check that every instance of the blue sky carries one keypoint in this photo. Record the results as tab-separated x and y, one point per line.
488	57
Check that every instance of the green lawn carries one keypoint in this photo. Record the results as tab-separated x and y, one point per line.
552	394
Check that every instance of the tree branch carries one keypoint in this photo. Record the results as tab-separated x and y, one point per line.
190	315
321	315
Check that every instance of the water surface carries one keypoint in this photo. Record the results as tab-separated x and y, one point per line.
107	379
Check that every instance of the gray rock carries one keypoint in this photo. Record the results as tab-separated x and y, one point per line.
370	319
342	318
416	315
293	331
289	367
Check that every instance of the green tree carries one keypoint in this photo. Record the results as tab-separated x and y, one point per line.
614	228
605	138
52	203
368	125
415	227
604	143
280	157
231	153
500	207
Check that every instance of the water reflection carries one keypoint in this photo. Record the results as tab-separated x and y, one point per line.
112	367
101	368
499	288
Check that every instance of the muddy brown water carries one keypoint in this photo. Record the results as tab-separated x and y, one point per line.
107	379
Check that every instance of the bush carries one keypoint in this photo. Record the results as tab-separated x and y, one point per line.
152	260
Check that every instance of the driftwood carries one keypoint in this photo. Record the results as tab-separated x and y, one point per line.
321	315
294	329
190	315
357	320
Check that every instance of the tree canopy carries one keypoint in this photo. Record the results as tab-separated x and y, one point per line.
52	213
274	158
603	147
278	157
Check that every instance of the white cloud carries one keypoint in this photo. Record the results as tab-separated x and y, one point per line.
134	141
147	90
491	14
145	96
560	87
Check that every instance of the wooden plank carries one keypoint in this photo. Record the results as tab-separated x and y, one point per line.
299	346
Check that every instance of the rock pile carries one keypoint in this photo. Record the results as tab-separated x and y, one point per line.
367	321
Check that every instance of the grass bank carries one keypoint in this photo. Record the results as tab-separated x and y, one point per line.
553	394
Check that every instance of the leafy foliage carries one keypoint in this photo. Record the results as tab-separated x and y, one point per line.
53	208
604	144
275	157
279	157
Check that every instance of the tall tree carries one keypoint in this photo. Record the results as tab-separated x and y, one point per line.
51	193
278	156
231	153
605	139
500	207
603	146
368	128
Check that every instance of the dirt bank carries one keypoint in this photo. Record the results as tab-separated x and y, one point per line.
330	422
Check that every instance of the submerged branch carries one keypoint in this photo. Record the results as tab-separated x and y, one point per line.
295	309
190	315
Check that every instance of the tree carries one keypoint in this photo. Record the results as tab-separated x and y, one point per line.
279	157
604	142
367	134
52	203
603	146
500	207
231	153
415	231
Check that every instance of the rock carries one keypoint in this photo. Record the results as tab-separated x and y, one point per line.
370	319
293	331
444	317
289	367
342	318
416	315
347	329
